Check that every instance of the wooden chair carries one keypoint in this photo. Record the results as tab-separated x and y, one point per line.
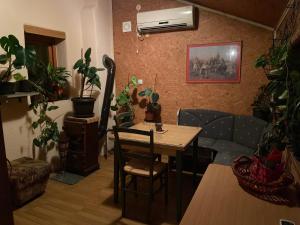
138	160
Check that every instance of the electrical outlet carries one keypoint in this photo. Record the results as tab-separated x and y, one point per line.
140	81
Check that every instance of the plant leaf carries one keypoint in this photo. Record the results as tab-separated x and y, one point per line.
134	81
148	92
78	64
36	142
35	125
3	59
87	56
19	61
154	97
18	77
142	93
114	107
52	107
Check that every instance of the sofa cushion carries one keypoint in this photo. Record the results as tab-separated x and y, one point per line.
248	130
215	124
206	142
228	151
229	146
221	128
227	158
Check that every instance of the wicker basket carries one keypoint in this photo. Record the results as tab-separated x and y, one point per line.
241	169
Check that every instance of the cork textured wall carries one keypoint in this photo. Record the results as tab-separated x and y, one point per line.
163	56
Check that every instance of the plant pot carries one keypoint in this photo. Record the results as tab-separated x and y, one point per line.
83	107
149	116
24	86
7	88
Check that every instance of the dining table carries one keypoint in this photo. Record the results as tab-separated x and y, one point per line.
173	141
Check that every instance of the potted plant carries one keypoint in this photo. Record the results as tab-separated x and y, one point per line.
55	82
153	108
285	97
15	58
84	106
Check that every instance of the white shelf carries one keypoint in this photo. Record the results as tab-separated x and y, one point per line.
21	94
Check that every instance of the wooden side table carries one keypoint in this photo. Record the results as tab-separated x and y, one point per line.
83	152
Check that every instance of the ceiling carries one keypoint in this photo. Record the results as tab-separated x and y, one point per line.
266	12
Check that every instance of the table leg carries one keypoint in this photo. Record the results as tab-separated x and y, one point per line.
195	160
179	184
116	177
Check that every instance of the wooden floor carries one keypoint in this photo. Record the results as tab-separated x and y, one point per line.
90	202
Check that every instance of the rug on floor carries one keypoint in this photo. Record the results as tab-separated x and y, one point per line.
66	177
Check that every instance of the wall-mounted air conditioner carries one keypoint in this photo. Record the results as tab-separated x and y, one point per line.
181	18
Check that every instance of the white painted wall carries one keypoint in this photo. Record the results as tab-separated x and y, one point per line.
86	23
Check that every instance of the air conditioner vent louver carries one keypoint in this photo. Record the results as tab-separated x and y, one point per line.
166	20
163	28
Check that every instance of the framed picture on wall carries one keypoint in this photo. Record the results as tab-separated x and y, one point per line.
214	63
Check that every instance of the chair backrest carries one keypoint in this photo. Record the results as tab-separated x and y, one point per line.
110	65
124	119
131	149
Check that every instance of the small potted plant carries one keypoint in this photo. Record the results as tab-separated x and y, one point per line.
14	59
84	106
56	81
153	108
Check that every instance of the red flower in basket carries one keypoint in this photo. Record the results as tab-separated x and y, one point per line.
275	156
261	170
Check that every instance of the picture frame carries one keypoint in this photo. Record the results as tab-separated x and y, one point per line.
214	63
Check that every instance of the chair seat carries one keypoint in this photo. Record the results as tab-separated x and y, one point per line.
136	167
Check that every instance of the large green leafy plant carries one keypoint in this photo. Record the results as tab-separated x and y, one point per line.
49	132
124	100
89	73
14	58
48	127
284	91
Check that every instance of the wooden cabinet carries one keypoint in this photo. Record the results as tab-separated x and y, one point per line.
83	152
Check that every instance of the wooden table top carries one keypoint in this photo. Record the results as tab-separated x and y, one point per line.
219	200
175	138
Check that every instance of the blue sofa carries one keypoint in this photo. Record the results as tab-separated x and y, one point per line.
228	134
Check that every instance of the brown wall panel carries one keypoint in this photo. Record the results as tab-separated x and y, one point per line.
164	55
